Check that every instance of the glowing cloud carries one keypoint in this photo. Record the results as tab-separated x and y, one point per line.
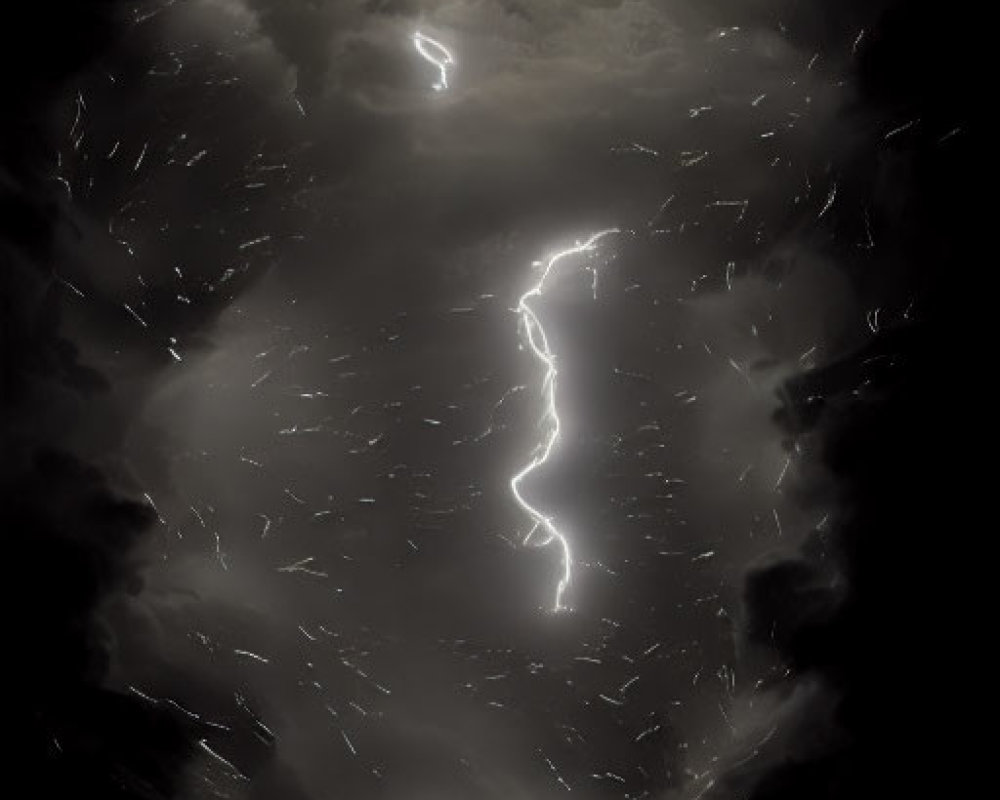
437	54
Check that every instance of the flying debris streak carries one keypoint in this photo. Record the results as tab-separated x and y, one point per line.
142	156
70	286
829	200
254	656
152	505
900	129
872	319
349	743
226	763
538	342
302	565
131	311
437	54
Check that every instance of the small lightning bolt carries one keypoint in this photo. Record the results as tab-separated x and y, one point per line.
538	342
437	54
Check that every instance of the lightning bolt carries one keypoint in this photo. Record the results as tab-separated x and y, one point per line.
436	53
535	336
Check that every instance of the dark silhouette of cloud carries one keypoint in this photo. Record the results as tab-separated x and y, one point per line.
851	614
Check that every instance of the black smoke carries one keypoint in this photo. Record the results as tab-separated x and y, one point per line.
69	535
857	614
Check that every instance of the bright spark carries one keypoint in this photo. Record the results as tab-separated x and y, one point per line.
437	54
538	342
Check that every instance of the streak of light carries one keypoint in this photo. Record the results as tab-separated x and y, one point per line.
868	230
306	633
872	318
170	701
142	156
756	748
302	566
152	505
691	157
857	41
80	106
740	204
130	310
437	54
646	733
829	200
219	555
145	697
65	183
260	380
660	210
253	242
228	764
538	342
555	772
949	134
636	147
254	656
781	477
69	285
357	708
900	129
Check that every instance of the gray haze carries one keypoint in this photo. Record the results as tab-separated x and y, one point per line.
298	264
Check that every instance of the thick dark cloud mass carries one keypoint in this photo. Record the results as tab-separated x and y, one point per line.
264	389
853	614
75	528
68	535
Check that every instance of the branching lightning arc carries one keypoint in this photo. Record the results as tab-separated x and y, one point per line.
535	336
437	54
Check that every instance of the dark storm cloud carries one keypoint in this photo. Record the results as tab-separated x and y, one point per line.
331	248
76	528
69	535
421	203
848	613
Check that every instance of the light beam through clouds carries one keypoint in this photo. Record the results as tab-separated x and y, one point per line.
437	54
535	335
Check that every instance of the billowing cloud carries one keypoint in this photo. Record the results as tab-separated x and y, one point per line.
267	284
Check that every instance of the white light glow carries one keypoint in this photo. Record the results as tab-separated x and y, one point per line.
437	54
538	342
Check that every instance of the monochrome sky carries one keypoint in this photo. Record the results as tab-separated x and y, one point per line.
276	331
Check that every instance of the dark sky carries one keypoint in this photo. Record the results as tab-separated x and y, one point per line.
266	384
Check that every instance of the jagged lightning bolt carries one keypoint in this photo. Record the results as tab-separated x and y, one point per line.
437	54
538	342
